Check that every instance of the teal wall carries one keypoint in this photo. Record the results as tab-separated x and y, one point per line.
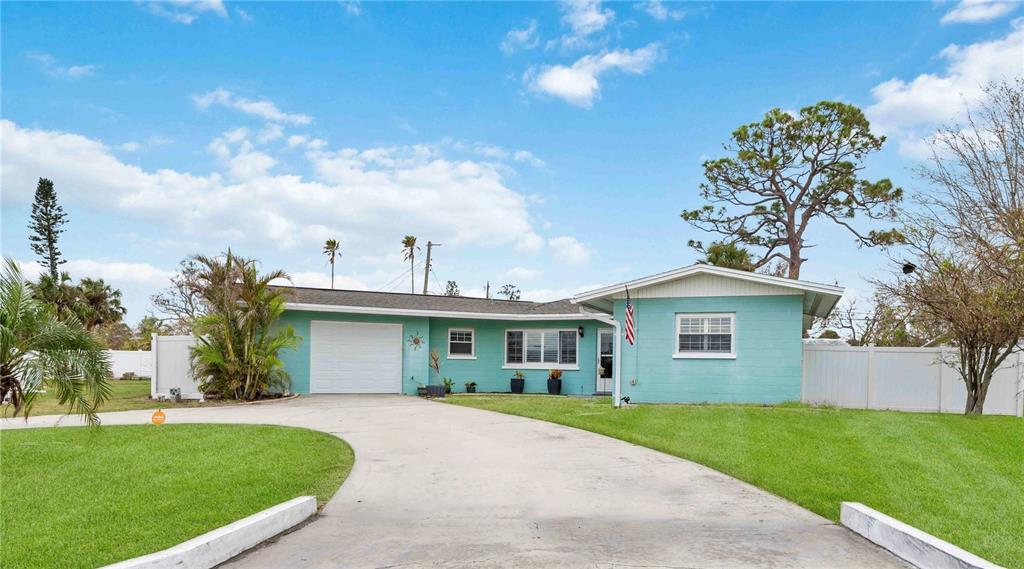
487	369
415	362
769	352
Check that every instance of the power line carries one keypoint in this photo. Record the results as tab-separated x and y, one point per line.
391	284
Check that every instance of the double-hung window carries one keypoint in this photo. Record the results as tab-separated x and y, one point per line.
705	336
542	349
461	344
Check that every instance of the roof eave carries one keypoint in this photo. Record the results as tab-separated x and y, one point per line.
710	269
431	313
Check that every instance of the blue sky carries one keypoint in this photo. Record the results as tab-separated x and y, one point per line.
551	145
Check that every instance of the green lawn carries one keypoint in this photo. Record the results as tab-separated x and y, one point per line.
959	478
86	497
127	395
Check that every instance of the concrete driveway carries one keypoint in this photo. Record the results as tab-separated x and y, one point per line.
437	485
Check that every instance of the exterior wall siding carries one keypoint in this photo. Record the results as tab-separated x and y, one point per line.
415	362
488	368
769	352
709	285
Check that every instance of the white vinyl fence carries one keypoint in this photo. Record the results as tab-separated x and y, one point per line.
904	379
130	361
172	367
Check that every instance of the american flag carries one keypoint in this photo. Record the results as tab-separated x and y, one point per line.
630	325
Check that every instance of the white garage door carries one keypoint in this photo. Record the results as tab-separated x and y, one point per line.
355	357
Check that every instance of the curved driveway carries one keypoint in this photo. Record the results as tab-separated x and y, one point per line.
438	485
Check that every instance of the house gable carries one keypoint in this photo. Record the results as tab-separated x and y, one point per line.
703	284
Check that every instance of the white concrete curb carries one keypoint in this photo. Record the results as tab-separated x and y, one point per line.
221	544
907	542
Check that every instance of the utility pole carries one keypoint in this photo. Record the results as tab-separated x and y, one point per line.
426	267
487	294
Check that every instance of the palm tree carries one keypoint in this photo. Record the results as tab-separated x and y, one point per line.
236	354
332	249
41	347
409	251
729	255
98	303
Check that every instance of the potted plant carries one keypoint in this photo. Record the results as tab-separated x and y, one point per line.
518	382
448	383
555	382
470	387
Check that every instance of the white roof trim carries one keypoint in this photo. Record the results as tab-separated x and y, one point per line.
435	313
708	269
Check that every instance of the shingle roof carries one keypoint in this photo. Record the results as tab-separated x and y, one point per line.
405	301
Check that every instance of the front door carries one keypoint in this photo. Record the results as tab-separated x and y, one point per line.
605	359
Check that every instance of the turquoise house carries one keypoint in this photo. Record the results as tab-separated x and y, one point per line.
700	334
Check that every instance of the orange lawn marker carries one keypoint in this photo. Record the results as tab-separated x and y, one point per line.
159	417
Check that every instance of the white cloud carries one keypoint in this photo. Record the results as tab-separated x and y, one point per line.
113	272
356	195
323	280
583	18
498	153
129	146
49	65
186	11
569	250
578	84
528	157
243	15
978	11
657	10
909	111
264	109
270	132
522	274
239	155
520	38
550	294
353	8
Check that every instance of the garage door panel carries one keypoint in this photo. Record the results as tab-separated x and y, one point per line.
355	357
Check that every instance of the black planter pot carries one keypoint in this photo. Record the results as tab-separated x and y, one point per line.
471	389
422	391
554	386
435	391
518	384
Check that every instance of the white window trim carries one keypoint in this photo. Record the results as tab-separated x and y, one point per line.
539	365
472	344
730	355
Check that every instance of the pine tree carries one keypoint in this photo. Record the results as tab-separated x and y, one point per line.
48	217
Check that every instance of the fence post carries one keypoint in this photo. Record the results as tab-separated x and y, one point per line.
942	379
154	346
871	377
1020	383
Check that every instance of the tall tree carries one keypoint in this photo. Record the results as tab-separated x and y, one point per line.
40	348
789	171
181	303
451	288
409	254
48	219
967	241
333	250
510	292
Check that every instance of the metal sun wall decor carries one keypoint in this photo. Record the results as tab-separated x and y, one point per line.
415	340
